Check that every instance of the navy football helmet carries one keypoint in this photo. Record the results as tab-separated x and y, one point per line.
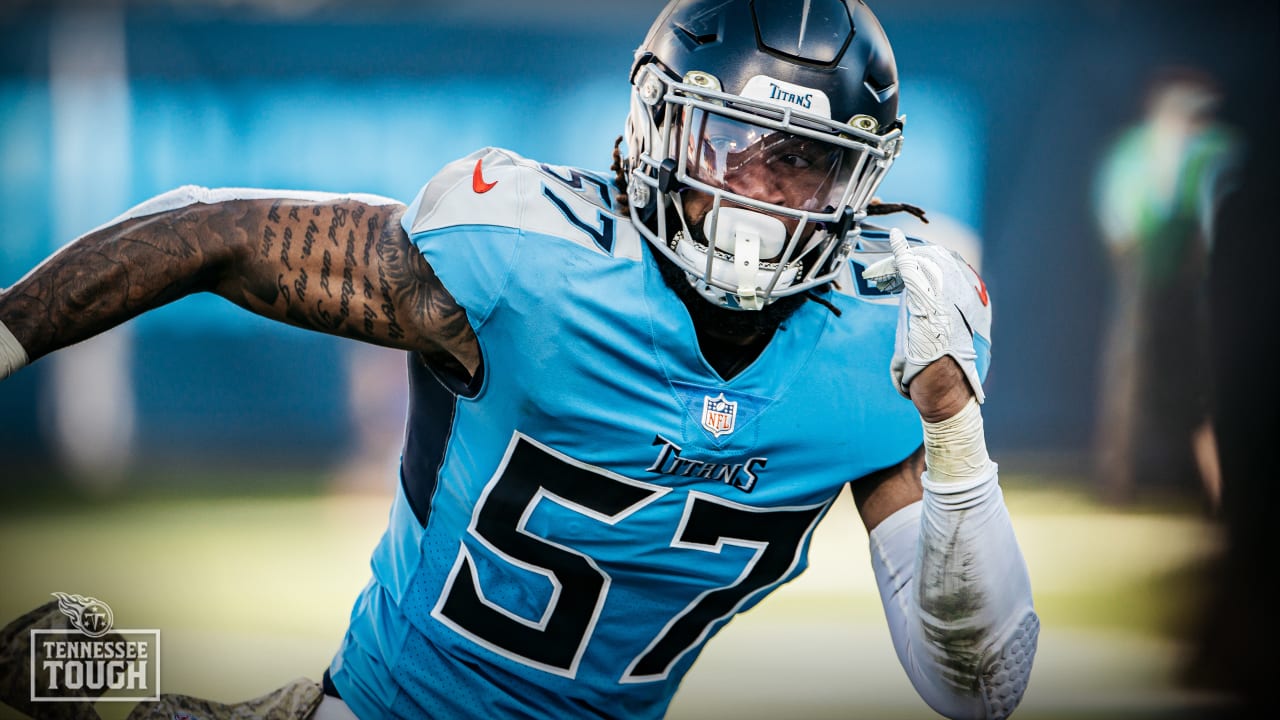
759	131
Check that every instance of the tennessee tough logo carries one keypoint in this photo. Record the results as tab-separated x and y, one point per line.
77	653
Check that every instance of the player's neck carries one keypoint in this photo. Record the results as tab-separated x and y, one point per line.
730	340
729	355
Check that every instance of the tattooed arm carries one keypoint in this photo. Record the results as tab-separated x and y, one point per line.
336	264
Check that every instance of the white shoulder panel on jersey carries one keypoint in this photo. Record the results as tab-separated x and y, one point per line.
497	187
872	246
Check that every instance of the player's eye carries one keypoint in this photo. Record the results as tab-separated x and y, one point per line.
794	161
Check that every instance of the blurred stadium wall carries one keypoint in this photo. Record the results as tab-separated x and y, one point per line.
102	105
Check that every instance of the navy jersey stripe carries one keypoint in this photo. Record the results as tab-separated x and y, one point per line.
432	409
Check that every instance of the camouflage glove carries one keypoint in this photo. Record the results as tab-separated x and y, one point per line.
16	660
296	701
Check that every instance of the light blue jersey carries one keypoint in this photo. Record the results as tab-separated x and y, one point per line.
571	532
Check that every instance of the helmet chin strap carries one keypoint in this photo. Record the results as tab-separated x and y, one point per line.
748	236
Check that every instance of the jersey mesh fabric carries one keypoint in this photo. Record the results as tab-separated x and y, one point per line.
604	496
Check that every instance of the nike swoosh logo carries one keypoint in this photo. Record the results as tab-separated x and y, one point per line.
981	287
477	180
964	320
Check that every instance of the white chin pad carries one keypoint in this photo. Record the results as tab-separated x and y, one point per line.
749	236
733	225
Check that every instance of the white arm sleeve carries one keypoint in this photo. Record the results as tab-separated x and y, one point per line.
957	597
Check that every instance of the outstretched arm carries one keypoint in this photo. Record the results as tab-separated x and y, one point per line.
952	580
337	264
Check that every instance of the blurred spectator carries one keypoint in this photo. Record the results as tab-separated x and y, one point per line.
1156	190
1235	634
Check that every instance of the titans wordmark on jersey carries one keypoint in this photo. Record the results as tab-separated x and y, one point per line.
572	530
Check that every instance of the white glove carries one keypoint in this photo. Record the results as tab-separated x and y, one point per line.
944	311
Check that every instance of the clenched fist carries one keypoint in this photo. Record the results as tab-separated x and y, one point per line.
943	348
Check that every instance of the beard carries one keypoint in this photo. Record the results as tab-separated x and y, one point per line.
723	322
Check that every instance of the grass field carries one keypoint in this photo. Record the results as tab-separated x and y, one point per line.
253	589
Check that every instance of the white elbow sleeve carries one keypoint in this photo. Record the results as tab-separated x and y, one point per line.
957	596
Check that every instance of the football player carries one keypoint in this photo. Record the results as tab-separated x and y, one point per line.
634	395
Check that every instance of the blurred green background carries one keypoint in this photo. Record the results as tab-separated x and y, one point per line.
250	579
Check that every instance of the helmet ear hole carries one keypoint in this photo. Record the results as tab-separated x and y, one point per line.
640	199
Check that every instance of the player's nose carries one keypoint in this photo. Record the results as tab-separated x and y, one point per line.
753	180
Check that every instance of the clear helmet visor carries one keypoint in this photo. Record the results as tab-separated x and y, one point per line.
768	165
752	198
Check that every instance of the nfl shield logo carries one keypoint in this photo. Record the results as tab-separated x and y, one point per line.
718	414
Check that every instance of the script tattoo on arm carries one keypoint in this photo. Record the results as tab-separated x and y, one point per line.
354	274
337	265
